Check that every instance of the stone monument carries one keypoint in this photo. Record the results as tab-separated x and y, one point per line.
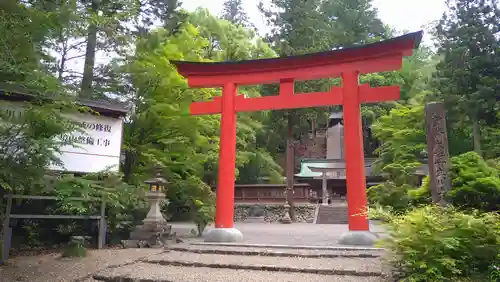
437	148
154	230
335	137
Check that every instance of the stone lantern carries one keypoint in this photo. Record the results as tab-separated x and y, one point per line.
154	229
286	219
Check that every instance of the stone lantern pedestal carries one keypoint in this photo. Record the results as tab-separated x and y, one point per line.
286	217
154	230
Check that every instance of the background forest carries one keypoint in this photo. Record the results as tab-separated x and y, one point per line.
41	39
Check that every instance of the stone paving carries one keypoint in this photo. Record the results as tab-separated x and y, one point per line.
254	250
160	273
339	265
285	234
108	262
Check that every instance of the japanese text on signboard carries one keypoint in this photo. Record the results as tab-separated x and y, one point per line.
89	140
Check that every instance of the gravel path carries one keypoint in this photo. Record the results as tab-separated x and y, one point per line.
53	268
317	265
185	274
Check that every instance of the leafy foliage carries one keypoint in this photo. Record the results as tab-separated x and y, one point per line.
125	204
475	184
403	142
400	152
29	144
467	77
442	244
203	215
234	12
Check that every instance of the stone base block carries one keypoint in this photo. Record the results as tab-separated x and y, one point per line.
358	238
223	235
130	244
151	235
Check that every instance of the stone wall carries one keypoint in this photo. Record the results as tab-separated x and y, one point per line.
272	212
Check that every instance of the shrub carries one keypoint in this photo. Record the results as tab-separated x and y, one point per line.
421	195
442	244
475	184
388	194
203	215
125	204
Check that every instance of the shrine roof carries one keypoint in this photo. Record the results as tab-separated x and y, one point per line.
402	45
105	108
307	166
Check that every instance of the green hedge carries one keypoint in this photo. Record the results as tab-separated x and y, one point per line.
442	244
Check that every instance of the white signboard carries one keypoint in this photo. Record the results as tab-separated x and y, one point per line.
96	148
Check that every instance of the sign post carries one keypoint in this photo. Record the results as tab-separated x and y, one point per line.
437	148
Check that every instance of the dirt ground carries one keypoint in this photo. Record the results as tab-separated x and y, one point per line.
52	267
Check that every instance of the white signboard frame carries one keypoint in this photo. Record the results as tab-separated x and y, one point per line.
96	147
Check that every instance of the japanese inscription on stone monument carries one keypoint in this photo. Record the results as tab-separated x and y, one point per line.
437	147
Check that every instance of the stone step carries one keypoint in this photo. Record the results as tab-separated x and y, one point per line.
297	247
147	272
334	214
277	252
327	266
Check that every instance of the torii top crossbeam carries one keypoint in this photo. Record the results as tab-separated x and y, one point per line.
376	57
347	63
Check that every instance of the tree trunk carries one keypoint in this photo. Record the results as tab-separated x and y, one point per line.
476	136
64	56
290	167
88	69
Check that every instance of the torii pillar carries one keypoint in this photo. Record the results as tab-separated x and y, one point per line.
347	63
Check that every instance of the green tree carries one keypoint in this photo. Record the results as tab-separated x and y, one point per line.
234	12
159	132
22	55
29	143
402	146
229	42
106	30
28	131
168	12
467	76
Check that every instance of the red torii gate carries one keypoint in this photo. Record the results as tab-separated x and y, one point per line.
347	63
